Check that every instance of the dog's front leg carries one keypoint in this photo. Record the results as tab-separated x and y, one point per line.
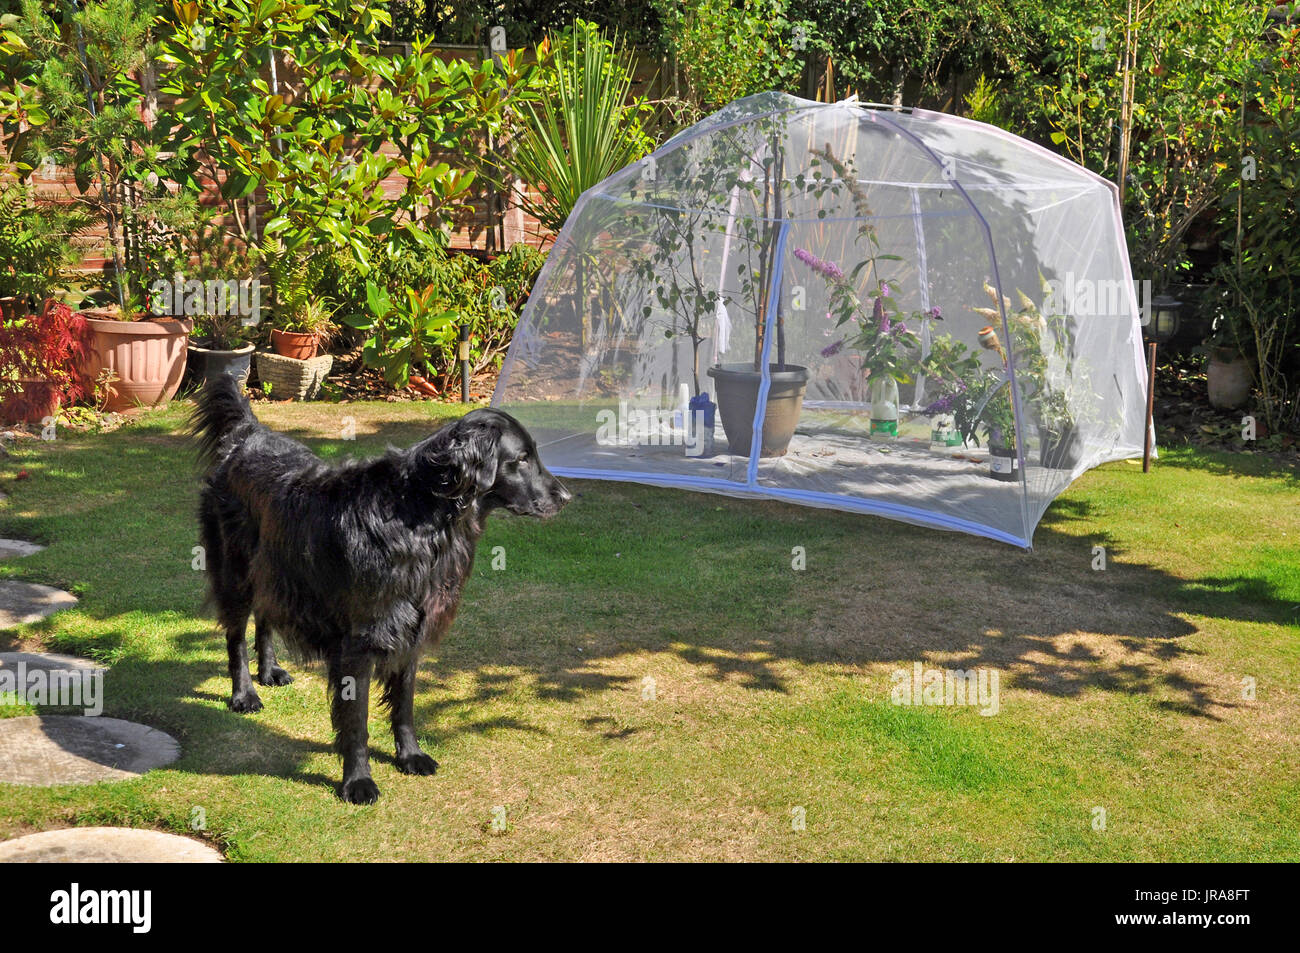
349	676
399	696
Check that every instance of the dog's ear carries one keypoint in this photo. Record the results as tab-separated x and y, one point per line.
459	460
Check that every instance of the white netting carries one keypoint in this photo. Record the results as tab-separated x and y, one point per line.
861	289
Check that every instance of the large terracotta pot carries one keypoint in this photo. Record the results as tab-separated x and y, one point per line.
148	358
1228	378
301	347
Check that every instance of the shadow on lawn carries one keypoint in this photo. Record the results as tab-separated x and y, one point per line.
1278	466
875	592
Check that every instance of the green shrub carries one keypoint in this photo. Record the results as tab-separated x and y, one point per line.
400	304
36	250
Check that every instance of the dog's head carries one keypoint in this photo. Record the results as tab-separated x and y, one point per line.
487	455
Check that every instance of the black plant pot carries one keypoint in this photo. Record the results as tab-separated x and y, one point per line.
738	397
1061	451
210	363
1004	465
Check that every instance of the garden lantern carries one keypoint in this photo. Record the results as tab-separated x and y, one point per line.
1165	318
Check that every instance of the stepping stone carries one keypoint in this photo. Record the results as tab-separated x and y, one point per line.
45	750
106	845
14	548
49	662
45	678
22	602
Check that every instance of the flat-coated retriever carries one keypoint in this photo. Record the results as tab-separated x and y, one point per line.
360	564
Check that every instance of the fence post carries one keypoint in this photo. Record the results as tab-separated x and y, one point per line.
1151	408
464	363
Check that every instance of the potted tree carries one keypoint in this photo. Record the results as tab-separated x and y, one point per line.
89	67
678	276
739	384
681	291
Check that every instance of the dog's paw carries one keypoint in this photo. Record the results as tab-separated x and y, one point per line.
360	791
418	763
245	703
275	677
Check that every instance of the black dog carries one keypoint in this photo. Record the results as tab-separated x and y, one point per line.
360	564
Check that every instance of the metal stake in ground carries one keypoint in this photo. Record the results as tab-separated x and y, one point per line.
464	363
1151	407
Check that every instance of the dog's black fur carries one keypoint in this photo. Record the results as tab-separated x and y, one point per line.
360	564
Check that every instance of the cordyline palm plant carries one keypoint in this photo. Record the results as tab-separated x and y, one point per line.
583	128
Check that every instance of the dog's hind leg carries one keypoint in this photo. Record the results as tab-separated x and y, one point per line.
349	685
268	671
399	696
232	596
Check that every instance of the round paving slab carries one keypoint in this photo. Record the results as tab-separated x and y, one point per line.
106	845
48	662
46	750
15	548
22	602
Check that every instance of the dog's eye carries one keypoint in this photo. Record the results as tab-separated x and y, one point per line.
521	459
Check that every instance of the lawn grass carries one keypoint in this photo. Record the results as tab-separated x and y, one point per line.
648	678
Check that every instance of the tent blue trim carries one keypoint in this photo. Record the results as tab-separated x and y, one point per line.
812	497
765	384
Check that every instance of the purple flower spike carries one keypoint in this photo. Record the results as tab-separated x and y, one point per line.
827	268
935	314
832	349
884	289
941	406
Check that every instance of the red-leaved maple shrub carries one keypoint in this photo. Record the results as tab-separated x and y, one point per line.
42	361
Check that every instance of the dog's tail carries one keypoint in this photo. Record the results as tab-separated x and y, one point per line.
220	411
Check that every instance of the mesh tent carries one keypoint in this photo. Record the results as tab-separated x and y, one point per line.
900	313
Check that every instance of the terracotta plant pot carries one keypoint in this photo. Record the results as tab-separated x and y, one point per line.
301	347
422	385
36	401
148	358
738	398
1228	378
